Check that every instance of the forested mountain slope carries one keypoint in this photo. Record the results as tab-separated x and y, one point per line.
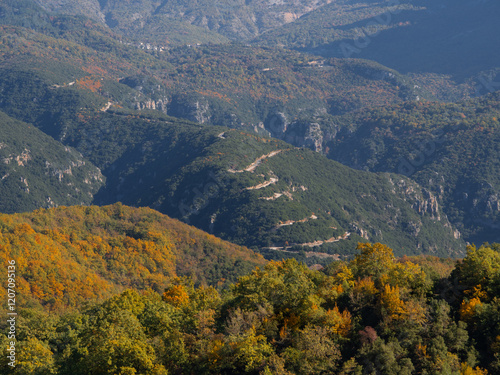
37	171
450	149
262	192
232	85
67	255
451	37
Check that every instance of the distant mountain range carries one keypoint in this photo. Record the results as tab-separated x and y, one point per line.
234	19
129	109
450	37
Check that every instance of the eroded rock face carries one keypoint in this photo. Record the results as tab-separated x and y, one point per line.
428	204
493	203
300	133
314	137
424	201
277	124
201	111
160	104
356	228
305	134
196	109
150	94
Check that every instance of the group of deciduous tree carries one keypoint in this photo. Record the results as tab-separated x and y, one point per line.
375	314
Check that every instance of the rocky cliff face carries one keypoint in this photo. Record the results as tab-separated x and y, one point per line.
159	105
427	204
300	133
148	94
277	124
193	109
423	201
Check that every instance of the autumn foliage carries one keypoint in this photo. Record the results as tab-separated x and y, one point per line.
374	314
69	255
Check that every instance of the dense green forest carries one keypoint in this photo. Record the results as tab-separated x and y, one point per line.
450	149
372	314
